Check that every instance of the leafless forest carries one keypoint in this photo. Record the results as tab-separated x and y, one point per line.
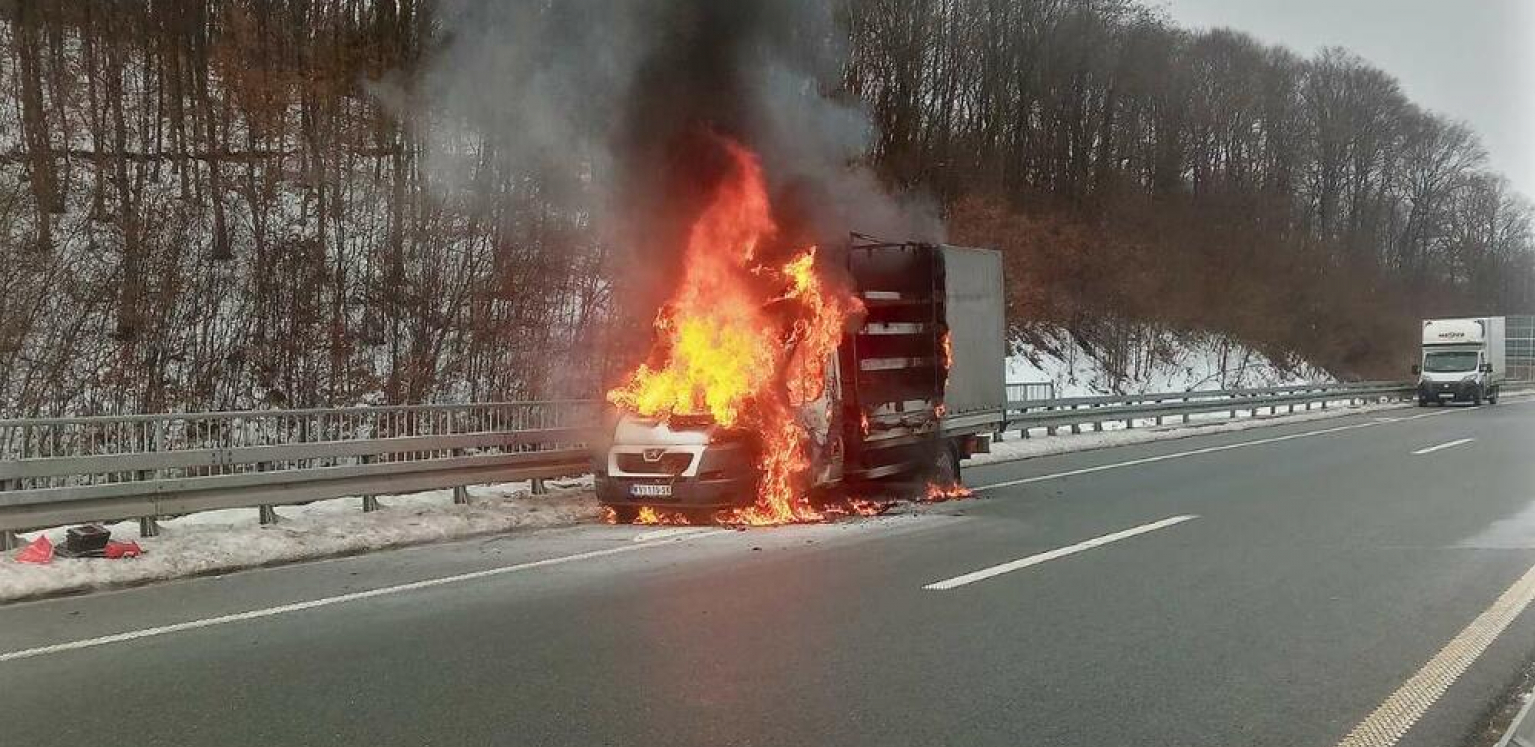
213	204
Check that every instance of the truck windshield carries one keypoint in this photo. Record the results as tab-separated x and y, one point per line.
1449	362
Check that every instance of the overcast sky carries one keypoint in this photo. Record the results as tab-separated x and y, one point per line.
1472	60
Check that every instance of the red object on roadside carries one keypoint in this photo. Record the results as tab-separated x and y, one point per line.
116	549
37	551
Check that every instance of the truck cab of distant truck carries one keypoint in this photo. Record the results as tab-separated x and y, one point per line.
1463	360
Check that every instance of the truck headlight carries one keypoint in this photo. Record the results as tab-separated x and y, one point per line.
1468	379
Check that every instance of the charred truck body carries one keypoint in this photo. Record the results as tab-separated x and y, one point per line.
915	389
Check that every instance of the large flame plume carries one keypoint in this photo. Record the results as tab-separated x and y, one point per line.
745	341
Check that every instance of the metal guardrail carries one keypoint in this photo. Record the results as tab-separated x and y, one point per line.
69	470
1030	391
1076	412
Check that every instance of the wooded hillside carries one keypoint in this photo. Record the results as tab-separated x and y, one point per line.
217	204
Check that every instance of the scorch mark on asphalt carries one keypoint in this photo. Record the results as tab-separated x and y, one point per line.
1061	552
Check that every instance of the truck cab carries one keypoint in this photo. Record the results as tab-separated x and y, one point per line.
694	467
1463	361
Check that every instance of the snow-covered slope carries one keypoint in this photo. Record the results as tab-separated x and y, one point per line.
1146	360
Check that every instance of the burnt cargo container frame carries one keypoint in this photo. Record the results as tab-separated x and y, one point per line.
919	410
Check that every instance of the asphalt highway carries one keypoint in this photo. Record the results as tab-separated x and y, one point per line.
1352	581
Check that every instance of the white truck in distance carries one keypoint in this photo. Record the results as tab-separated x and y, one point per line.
1464	360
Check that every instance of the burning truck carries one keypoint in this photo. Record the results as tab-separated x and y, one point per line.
787	387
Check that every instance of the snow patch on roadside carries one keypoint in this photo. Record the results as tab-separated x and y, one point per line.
215	541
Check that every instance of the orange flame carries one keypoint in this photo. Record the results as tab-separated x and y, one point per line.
946	343
939	493
721	347
650	516
742	355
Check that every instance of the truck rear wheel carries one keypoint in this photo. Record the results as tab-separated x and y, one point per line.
946	465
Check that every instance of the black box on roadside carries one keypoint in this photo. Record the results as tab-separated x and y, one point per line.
85	541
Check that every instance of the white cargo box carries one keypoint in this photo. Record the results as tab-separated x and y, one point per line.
1454	331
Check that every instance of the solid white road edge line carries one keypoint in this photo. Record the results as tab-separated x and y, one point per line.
1199	452
209	622
1442	447
1388	723
997	570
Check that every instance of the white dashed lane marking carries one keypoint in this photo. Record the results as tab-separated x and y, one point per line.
1443	446
1061	552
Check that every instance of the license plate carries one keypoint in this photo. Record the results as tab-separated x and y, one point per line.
650	491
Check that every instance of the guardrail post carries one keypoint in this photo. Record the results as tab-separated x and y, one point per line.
265	514
148	527
369	502
460	492
8	538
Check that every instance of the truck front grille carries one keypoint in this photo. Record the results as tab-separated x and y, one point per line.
673	463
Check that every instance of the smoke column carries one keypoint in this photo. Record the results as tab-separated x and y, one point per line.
611	105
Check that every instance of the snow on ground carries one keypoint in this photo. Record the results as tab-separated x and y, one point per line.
1152	362
216	541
